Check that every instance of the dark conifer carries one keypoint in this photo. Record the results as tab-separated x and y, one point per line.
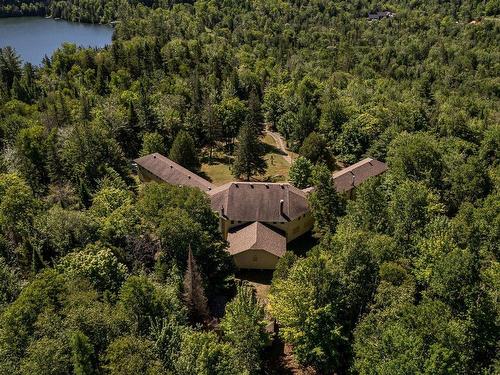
184	151
255	117
194	294
249	155
82	354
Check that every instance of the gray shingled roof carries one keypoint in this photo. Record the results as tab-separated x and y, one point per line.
258	201
356	174
171	172
256	236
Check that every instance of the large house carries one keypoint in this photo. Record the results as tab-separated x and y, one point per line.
258	219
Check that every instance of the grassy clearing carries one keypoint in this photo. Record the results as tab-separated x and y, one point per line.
277	166
219	173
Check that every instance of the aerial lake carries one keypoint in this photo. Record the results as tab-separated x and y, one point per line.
34	37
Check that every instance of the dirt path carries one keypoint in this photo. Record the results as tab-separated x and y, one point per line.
280	143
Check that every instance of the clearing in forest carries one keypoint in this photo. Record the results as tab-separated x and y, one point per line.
278	164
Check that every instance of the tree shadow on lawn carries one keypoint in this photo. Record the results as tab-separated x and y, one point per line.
270	149
217	159
204	176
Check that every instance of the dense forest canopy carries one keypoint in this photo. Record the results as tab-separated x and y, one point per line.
103	275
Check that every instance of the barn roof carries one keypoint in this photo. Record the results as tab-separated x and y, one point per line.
171	172
256	236
356	174
259	201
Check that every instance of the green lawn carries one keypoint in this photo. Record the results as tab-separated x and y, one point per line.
219	173
277	166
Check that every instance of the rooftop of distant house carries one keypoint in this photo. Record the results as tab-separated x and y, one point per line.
354	175
171	172
380	15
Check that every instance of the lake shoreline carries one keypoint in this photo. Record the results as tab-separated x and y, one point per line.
7	16
34	37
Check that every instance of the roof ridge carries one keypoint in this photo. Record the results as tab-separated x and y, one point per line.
352	167
179	167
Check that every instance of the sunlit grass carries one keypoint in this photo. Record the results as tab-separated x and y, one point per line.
219	173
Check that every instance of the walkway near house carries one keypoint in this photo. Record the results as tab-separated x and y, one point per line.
280	143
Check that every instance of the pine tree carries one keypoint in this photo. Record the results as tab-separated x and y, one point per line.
148	119
28	84
130	136
63	112
255	117
211	126
17	91
10	66
82	354
249	154
100	84
194	294
85	108
184	151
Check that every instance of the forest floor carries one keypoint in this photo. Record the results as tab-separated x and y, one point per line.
277	157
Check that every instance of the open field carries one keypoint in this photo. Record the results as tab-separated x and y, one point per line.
219	173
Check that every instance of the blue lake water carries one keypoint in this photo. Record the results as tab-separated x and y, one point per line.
34	37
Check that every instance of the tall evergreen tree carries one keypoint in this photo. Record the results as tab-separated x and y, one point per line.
85	107
10	67
194	294
100	82
184	151
147	115
82	354
212	127
255	117
249	155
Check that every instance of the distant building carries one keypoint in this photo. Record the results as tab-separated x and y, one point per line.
348	178
379	15
258	219
156	167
